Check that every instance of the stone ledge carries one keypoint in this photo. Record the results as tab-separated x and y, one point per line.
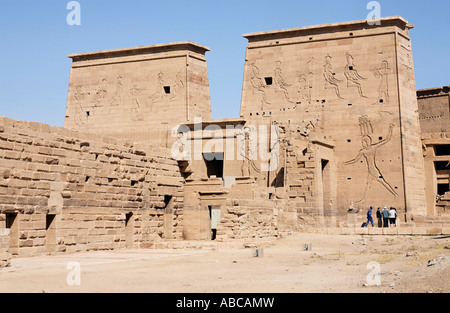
406	230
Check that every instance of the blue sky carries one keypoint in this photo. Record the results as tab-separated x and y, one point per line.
36	39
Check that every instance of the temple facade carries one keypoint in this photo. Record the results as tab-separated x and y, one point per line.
330	124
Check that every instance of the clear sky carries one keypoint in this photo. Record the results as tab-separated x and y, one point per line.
35	40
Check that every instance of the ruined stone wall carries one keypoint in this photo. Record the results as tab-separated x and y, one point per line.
67	191
5	256
248	219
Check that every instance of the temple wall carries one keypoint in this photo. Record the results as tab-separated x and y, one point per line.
5	256
354	84
138	93
68	191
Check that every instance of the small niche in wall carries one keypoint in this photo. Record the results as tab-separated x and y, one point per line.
268	80
88	113
167	89
167	200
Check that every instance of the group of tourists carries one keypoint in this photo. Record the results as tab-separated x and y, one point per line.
385	217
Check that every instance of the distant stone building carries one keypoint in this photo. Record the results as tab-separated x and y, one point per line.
330	124
434	114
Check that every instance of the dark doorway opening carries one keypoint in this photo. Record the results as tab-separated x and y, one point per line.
12	223
214	215
50	232
129	230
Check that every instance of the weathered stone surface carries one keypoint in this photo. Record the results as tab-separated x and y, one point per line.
330	124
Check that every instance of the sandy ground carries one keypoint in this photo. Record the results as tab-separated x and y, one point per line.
336	264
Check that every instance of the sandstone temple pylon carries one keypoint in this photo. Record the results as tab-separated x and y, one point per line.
330	124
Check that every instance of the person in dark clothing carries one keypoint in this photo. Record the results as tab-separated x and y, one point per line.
379	218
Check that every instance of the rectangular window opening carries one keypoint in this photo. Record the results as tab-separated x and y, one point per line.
214	164
442	189
441	150
442	165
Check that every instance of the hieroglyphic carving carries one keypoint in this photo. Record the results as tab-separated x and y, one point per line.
274	148
80	97
382	74
100	93
117	97
279	81
368	152
248	146
178	86
352	75
305	79
258	85
88	98
365	126
136	96
330	76
158	94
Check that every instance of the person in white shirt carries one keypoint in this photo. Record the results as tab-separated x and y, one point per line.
392	217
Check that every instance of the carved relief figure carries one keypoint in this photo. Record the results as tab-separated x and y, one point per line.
100	93
248	149
159	90
117	97
258	85
80	115
368	152
274	160
136	95
178	86
279	81
353	76
330	77
382	74
305	80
